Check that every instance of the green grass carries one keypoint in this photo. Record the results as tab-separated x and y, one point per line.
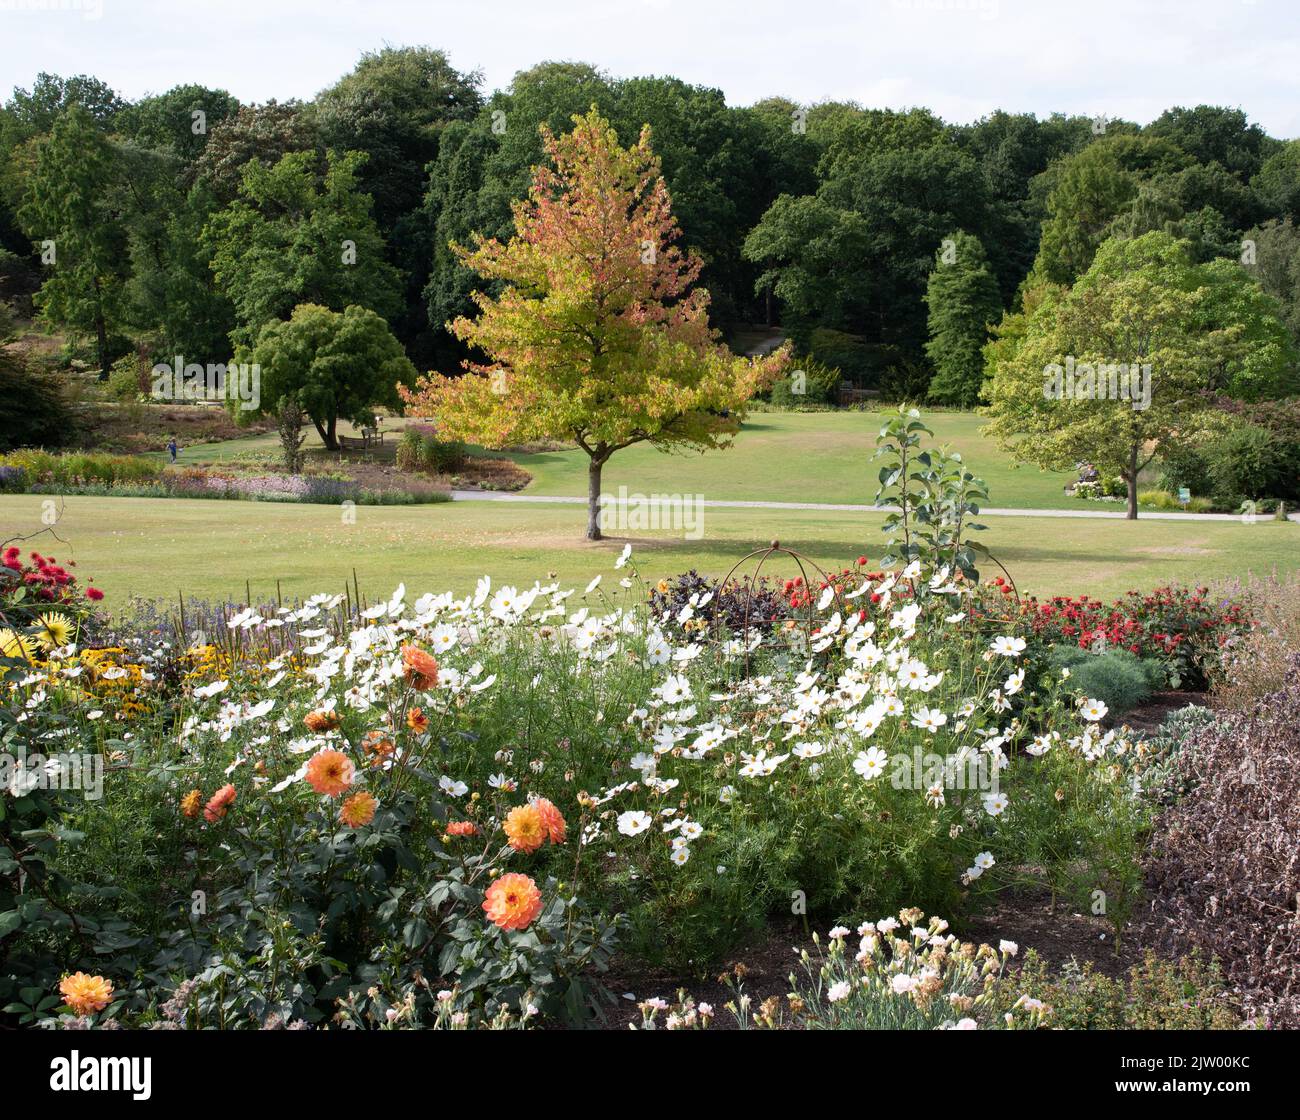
156	547
797	457
778	456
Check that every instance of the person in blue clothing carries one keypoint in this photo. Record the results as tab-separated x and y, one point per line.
172	448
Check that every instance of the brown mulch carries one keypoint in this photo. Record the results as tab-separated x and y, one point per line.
481	473
1150	715
767	962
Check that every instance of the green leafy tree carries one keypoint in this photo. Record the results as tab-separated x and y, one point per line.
1278	183
804	244
178	121
962	295
335	365
597	335
1274	261
394	106
292	238
70	212
1214	134
1141	302
1090	190
265	133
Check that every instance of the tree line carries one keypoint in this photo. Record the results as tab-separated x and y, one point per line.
186	221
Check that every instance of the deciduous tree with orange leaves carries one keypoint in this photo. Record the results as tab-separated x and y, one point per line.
596	335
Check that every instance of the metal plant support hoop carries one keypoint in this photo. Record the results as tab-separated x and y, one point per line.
751	582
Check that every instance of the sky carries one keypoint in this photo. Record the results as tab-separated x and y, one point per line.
1121	59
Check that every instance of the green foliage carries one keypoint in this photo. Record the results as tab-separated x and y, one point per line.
291	239
72	467
1117	677
124	378
167	121
337	364
393	106
71	201
1156	995
1141	303
962	295
421	449
936	495
36	411
810	383
1247	461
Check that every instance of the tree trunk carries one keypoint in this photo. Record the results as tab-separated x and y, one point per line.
593	498
1131	477
331	434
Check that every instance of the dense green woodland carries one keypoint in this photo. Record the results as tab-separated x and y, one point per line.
185	222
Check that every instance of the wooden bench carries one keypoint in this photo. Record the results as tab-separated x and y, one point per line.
370	437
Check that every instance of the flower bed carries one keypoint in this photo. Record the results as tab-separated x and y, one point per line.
449	811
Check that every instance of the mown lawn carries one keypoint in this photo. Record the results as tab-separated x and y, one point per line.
778	456
158	547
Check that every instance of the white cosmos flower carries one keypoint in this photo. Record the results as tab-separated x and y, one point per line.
1008	646
1040	746
623	557
680	854
1014	682
443	638
658	651
675	689
984	861
1091	710
592	585
633	822
995	803
930	719
451	787
870	764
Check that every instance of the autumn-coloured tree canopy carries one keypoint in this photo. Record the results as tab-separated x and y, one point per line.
596	335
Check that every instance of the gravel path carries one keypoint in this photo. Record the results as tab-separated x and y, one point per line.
500	496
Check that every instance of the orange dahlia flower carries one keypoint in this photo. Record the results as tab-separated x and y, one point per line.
378	746
513	901
86	994
219	802
552	820
420	667
191	803
462	828
358	810
321	721
525	828
330	772
417	721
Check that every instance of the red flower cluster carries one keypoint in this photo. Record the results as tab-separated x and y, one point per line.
1170	622
800	594
43	577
